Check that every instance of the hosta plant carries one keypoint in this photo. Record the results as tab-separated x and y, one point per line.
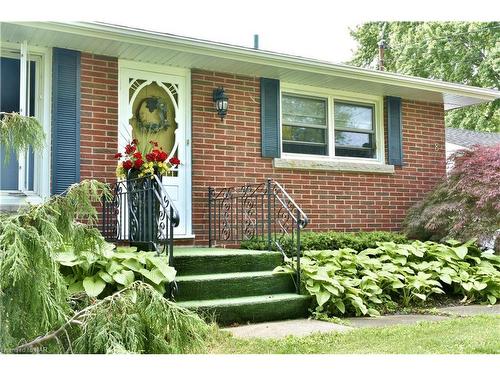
351	283
104	272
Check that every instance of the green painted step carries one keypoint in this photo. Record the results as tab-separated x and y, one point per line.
252	309
202	261
229	285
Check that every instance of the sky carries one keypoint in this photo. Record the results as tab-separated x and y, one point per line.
309	28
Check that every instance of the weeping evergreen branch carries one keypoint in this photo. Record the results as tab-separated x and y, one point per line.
136	319
33	293
18	133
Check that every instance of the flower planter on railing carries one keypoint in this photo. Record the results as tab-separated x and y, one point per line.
144	211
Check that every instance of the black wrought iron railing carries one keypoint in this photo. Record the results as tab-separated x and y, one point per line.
140	213
264	212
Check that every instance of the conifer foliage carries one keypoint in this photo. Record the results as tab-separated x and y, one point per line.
38	313
33	293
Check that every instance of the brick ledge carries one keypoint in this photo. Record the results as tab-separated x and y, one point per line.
330	165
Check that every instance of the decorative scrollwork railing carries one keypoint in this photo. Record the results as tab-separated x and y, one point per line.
140	213
262	211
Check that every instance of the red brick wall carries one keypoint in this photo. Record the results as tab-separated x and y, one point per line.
228	153
99	117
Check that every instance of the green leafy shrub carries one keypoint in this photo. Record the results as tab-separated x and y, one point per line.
466	205
95	272
349	282
357	241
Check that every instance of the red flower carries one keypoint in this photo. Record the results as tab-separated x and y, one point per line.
138	155
130	149
127	164
174	161
138	163
150	157
162	156
118	155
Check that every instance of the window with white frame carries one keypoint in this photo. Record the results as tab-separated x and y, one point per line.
354	129
24	88
328	125
304	125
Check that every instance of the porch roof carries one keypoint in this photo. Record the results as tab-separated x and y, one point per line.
166	49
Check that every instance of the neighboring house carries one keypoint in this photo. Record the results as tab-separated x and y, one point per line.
459	139
354	147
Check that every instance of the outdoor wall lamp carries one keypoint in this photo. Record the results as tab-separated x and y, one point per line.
221	102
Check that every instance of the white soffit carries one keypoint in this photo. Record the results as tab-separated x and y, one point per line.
158	48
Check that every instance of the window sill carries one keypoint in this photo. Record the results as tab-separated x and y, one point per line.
334	165
13	201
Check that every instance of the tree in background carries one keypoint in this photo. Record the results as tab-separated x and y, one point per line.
461	52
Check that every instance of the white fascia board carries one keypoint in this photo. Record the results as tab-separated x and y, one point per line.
244	54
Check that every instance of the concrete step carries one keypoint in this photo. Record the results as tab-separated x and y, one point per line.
229	285
253	308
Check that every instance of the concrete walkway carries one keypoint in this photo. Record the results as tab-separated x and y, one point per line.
304	327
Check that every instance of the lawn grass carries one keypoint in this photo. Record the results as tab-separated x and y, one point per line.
480	334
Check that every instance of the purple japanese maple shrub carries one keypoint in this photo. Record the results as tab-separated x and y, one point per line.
466	205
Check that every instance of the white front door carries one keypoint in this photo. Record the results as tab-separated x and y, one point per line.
138	84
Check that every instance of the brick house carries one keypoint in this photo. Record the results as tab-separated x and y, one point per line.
354	147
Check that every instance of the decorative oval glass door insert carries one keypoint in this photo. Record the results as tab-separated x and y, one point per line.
154	108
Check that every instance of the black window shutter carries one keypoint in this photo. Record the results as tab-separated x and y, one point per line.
65	119
270	117
394	130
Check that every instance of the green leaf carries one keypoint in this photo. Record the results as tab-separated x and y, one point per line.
373	312
68	259
445	278
114	267
106	277
479	285
420	295
162	264
397	284
75	287
437	290
333	290
340	306
491	299
93	285
133	264
66	256
156	276
124	255
466	286
314	288
461	251
124	277
160	288
322	297
126	249
360	305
